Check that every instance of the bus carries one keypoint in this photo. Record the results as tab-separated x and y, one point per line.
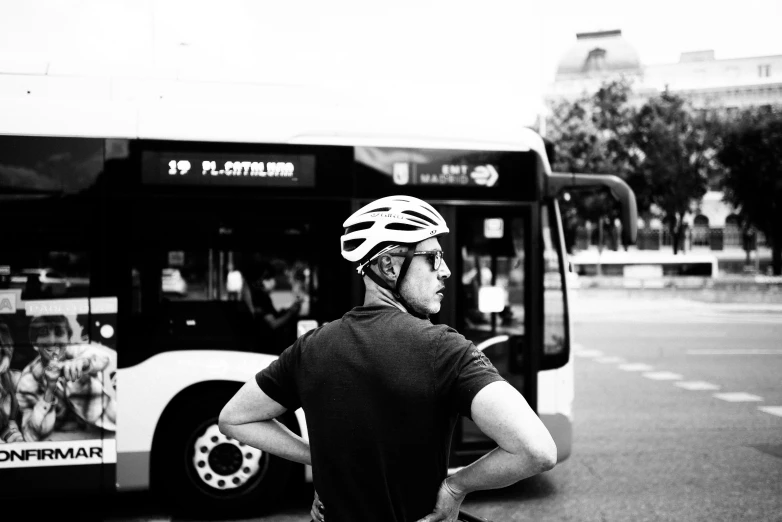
132	238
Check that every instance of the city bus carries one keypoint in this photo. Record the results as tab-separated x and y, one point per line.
137	245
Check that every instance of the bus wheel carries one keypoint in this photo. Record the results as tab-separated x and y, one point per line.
201	471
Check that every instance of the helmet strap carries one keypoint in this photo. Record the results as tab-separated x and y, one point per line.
396	291
402	272
405	266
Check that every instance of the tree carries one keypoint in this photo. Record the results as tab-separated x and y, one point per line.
752	155
677	156
591	135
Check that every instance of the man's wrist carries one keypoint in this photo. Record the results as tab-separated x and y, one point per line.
455	491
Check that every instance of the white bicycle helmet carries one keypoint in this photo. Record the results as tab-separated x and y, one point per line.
389	222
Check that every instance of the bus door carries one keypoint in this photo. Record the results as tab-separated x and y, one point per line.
488	253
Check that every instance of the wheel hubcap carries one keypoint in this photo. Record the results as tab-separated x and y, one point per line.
222	462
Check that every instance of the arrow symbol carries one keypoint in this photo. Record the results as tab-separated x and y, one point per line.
485	175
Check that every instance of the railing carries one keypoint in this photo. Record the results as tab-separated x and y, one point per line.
730	237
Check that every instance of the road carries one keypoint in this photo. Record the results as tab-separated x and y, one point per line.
668	420
678	417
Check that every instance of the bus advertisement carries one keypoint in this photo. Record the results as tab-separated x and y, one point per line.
133	268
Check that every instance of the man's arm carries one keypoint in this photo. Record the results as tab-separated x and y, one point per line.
249	417
525	448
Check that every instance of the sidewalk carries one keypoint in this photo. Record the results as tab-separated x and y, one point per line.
586	304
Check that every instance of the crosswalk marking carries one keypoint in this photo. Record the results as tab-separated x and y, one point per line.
588	353
696	385
663	376
773	410
738	397
636	367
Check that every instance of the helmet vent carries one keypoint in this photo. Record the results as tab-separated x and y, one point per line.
359	226
420	216
352	244
402	226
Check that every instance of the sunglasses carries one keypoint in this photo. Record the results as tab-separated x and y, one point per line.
435	257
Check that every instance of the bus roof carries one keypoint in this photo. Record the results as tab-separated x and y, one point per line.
43	105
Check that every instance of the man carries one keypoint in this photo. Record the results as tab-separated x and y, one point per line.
277	327
64	387
382	388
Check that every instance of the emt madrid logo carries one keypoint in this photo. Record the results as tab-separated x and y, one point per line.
7	303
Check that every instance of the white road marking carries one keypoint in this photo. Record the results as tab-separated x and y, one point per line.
610	360
663	376
588	353
736	351
696	385
636	367
738	397
773	410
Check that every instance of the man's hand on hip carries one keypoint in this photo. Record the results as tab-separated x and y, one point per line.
447	507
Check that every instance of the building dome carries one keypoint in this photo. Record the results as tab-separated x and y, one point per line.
599	53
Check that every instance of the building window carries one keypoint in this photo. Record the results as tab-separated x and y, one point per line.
764	71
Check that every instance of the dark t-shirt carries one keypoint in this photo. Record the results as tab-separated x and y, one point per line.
273	341
263	303
381	391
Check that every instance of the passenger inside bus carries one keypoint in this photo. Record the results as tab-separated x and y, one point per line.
276	325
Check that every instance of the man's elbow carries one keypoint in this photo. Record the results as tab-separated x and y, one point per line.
224	423
545	455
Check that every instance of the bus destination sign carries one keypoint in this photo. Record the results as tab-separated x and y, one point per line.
239	170
440	174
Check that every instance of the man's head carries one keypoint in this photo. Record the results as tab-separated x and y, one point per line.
394	240
264	276
49	335
268	278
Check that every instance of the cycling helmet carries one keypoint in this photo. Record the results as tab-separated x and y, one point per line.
387	223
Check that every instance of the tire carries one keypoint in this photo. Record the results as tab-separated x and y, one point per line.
200	471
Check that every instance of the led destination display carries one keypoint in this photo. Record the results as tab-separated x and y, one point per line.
240	170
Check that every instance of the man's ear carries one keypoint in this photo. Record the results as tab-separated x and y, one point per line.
385	265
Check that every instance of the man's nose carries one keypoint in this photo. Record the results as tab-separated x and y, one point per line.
444	272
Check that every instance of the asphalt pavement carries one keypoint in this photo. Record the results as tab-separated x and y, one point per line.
678	416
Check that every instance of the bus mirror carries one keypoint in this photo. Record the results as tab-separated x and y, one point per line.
492	299
304	326
559	182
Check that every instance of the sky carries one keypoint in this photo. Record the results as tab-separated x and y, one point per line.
393	49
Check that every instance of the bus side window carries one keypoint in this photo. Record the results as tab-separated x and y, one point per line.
554	327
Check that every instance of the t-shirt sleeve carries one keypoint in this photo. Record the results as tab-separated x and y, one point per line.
278	380
462	371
